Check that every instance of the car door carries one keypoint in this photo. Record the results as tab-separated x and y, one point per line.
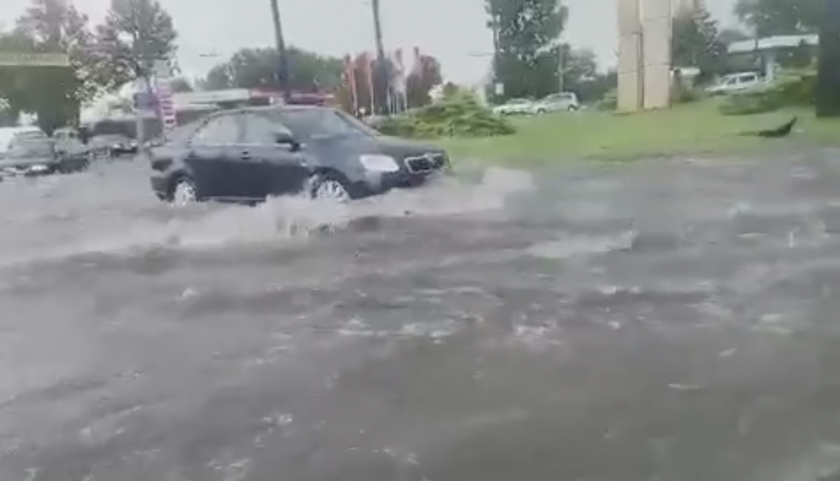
282	170
211	157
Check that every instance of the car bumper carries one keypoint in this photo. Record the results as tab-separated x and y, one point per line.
28	170
160	186
380	183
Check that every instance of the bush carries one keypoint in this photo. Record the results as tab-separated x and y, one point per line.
793	89
455	116
609	101
751	102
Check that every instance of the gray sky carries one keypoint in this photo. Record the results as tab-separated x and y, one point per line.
451	30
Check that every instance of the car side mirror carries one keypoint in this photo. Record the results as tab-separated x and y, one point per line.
286	138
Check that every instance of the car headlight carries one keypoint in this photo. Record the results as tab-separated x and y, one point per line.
38	168
379	163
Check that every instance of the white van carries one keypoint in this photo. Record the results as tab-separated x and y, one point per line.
736	82
9	135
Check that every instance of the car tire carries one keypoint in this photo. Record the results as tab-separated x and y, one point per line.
328	186
541	111
572	108
184	192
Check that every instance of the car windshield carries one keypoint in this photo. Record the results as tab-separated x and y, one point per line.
314	123
109	138
30	148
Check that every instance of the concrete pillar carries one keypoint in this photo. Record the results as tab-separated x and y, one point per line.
630	86
656	50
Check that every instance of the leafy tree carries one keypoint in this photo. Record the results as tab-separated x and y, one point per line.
180	84
53	93
767	18
135	35
420	81
526	33
696	43
257	68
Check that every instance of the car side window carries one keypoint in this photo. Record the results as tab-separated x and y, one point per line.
260	130
223	129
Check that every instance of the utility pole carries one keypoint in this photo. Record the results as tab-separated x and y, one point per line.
282	58
381	66
827	98
561	68
561	56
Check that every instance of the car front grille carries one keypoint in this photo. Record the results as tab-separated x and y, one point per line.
423	164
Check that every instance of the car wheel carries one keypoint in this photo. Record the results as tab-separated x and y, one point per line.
329	187
572	108
185	192
540	111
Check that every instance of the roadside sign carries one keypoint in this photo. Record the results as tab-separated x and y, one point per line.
500	88
17	59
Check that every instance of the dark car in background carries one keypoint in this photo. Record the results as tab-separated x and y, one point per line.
111	145
248	154
39	156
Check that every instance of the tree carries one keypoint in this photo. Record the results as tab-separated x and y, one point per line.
767	18
53	93
257	68
581	76
136	35
180	84
696	43
526	33
421	80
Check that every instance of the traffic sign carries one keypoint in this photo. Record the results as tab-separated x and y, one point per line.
17	59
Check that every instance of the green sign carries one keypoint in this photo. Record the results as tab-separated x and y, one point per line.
15	59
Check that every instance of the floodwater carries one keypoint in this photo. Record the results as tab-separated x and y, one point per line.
667	320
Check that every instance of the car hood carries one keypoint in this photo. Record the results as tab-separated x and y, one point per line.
380	144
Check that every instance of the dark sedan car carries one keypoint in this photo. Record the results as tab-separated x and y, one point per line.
111	145
249	154
39	156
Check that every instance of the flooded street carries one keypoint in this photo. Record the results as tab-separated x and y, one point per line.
666	320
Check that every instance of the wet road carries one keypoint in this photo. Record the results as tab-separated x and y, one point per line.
670	320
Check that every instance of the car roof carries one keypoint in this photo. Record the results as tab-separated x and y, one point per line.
269	108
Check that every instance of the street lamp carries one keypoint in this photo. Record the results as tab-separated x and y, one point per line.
283	61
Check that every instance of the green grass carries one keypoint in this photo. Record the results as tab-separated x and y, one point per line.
688	129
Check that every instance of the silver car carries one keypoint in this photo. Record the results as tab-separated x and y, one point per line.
515	107
562	102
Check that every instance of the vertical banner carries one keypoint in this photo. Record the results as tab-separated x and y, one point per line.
163	91
350	79
399	81
367	65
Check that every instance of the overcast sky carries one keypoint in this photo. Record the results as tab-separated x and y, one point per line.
451	30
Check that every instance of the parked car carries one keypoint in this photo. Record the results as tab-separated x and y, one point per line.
736	82
515	107
562	102
111	145
67	141
248	154
11	135
38	156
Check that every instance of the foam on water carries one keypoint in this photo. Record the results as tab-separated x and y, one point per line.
124	216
